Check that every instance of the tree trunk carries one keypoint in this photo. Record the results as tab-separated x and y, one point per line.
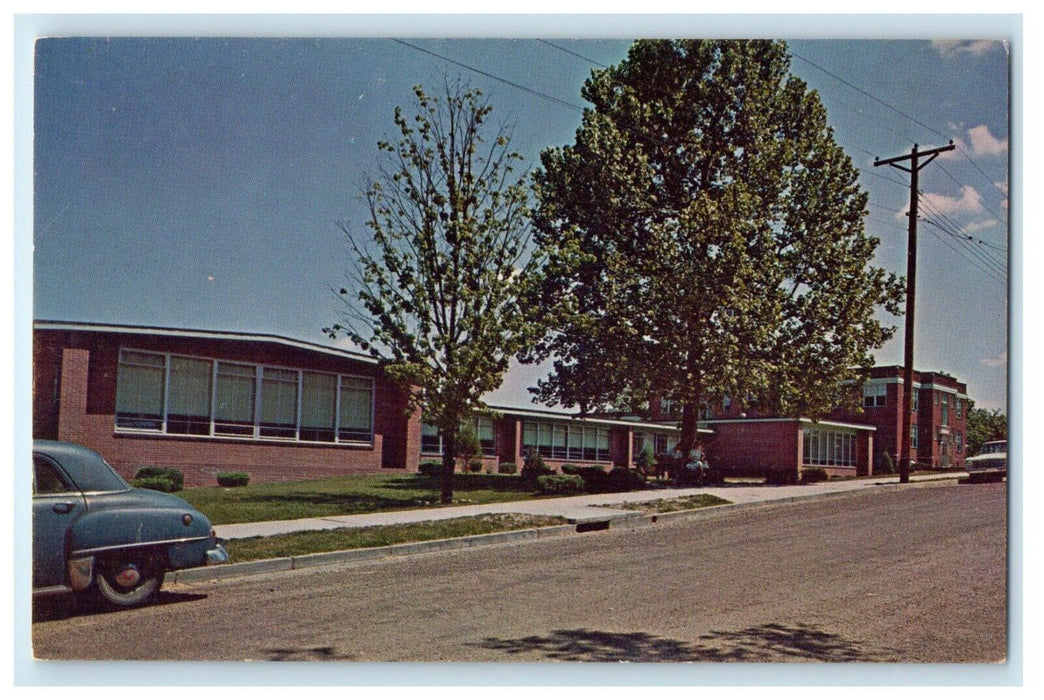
689	426
449	461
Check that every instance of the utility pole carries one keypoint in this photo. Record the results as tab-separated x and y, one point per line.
905	422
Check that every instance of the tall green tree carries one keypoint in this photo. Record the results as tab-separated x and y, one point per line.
984	426
705	239
436	286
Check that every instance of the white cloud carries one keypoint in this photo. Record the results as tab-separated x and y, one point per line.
951	48
969	202
986	144
979	143
980	226
999	361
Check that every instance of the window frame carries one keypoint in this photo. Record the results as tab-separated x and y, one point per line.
585	443
253	429
875	395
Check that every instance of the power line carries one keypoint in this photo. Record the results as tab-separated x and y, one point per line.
988	271
517	86
867	94
572	53
960	230
951	229
907	116
960	184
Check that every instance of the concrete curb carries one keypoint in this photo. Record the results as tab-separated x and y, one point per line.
305	561
628	519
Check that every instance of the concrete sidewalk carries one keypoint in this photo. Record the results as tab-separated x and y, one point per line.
582	512
575	509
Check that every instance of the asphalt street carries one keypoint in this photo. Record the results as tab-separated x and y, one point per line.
914	575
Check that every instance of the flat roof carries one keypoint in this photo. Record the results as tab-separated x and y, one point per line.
829	423
204	334
559	415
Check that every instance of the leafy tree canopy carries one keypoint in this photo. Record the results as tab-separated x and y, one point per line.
705	238
985	426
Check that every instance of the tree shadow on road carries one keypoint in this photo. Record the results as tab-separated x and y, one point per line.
307	654
764	643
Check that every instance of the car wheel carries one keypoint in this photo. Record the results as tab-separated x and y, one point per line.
127	584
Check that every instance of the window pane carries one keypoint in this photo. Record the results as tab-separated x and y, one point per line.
318	406
278	403
234	410
139	390
430	440
356	409
189	396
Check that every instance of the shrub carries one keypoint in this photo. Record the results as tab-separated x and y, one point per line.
154	483
646	459
475	465
560	483
432	469
507	468
596	479
887	464
777	477
175	477
533	468
233	479
467	448
623	479
571	469
810	476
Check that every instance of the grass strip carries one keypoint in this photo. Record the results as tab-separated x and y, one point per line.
335	540
670	505
348	495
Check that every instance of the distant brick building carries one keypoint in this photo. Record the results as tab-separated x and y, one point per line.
938	429
844	442
206	402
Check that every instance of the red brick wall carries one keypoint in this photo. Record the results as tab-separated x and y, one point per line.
755	447
87	402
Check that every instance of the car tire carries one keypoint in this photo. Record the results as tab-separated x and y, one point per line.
115	588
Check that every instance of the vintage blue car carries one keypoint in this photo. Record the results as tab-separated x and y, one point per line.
95	534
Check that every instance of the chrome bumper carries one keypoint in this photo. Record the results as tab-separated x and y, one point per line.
218	555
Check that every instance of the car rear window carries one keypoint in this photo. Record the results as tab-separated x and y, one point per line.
97	475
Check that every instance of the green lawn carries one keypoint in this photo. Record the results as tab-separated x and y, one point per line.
367	493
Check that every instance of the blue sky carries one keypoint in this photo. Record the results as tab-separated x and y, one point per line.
198	182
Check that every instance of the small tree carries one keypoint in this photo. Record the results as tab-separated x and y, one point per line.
646	461
435	289
468	447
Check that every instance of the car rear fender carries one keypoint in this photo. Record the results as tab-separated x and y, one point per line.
146	532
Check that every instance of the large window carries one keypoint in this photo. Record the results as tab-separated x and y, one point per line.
181	395
431	440
945	411
279	402
356	418
139	391
660	442
875	395
567	441
829	447
235	399
318	406
189	397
